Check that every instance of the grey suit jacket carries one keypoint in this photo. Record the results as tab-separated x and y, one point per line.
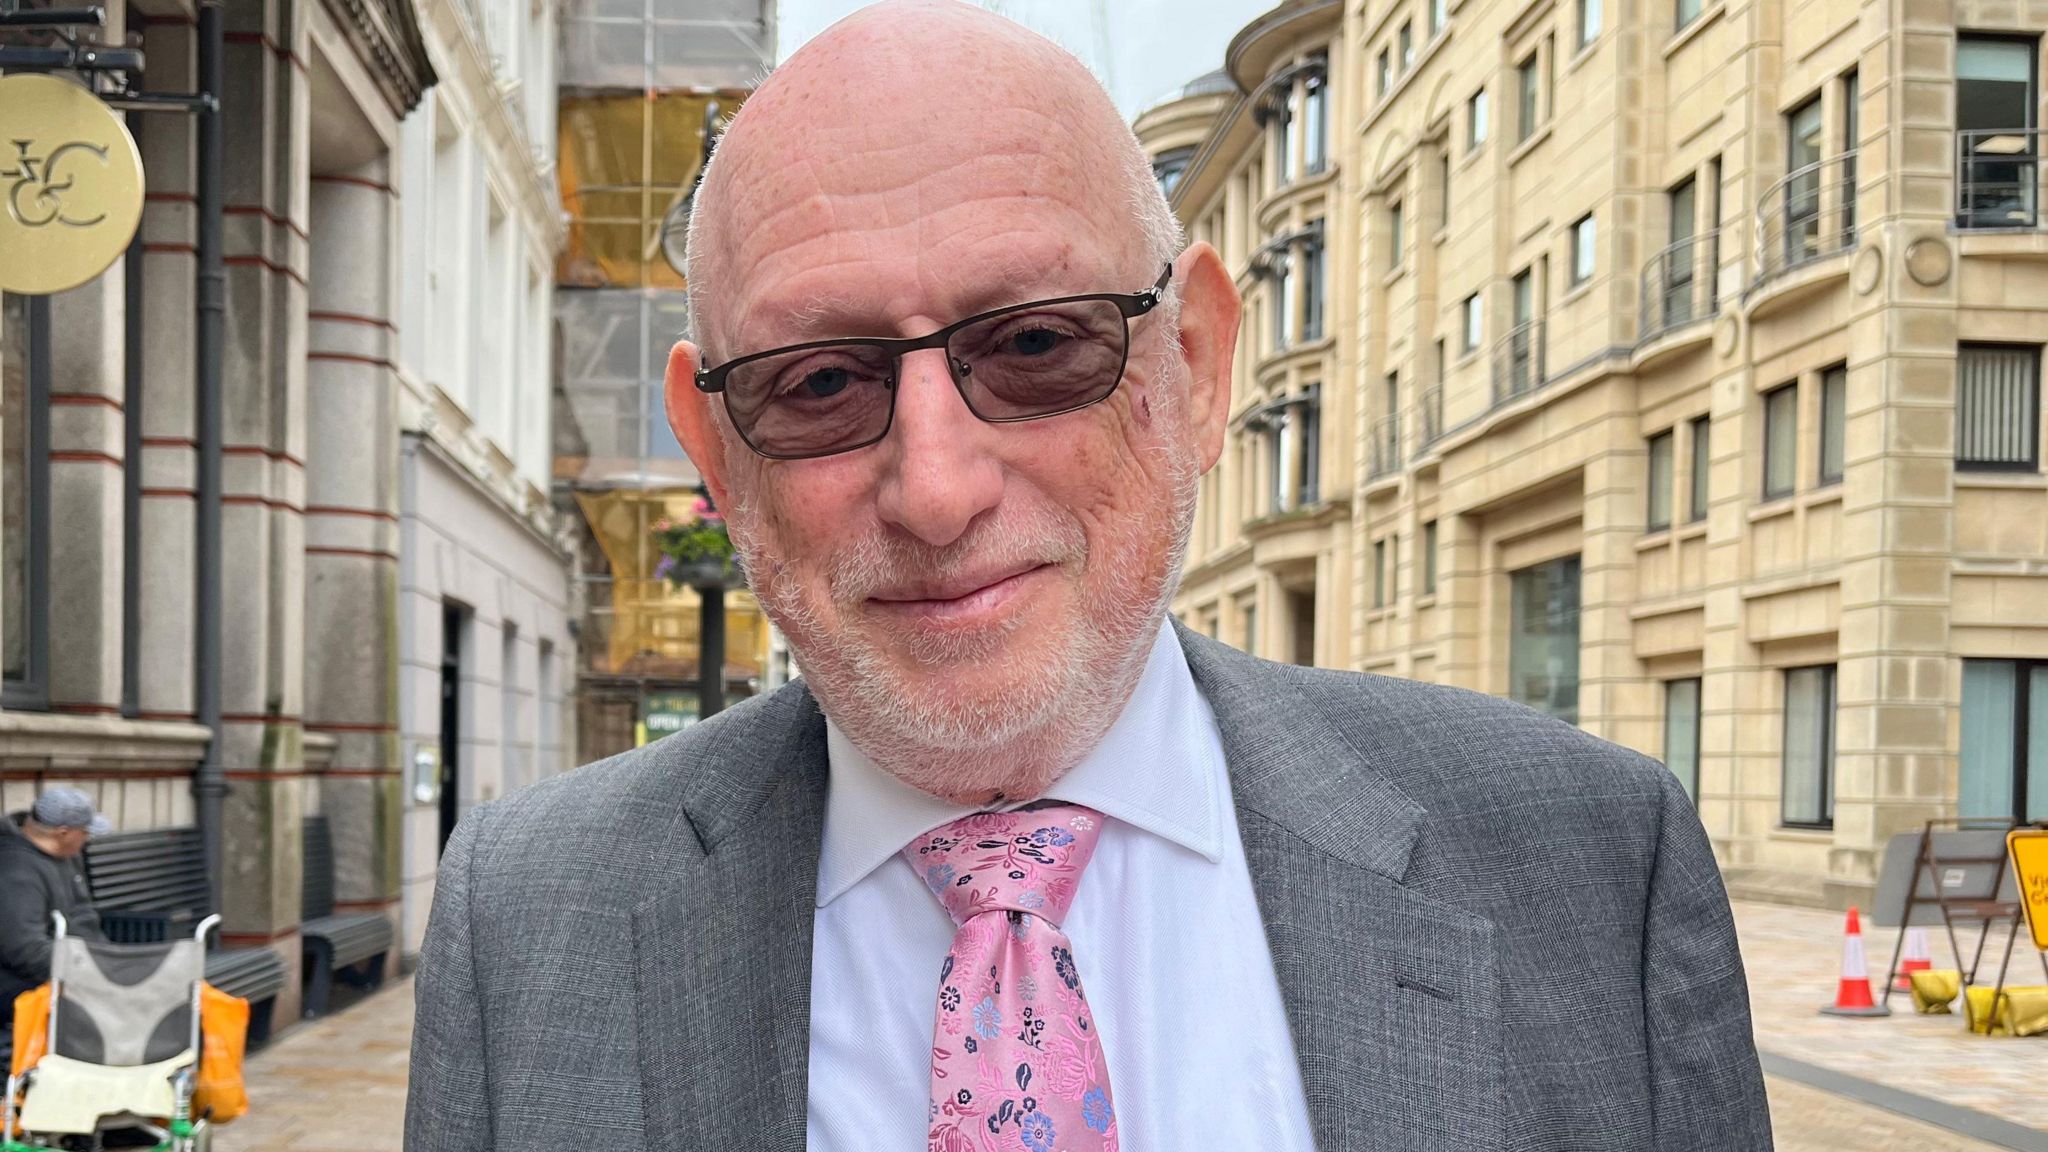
1491	931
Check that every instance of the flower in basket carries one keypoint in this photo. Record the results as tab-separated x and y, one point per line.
695	550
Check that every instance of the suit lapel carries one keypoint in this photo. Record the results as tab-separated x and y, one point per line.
1392	993
722	956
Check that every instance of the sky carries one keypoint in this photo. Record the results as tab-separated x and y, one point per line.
1143	50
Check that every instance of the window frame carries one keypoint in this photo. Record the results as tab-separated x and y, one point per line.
1770	457
1439	17
1472	332
1397	234
1825	752
1528	96
1405	41
1585	234
1833	431
1383	72
1698	689
1700	469
1429	547
1478	127
2032	462
1589	28
1379	573
31	690
1681	18
2021	803
1315	123
1656	518
1314	288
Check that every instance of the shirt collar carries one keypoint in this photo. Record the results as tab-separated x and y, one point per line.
1159	768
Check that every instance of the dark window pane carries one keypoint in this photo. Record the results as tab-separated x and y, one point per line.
1543	641
1682	733
1660	481
1834	398
1702	459
1809	749
1781	427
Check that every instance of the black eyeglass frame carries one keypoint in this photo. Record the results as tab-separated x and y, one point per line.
1130	304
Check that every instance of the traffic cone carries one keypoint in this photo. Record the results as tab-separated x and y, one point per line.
1852	996
1916	959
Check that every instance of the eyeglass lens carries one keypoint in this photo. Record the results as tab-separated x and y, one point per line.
1032	361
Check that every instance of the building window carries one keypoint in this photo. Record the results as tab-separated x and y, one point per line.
1781	440
1443	188
1439	15
1998	407
1660	481
1702	440
1379	573
1543	641
1429	558
1585	240
1312	283
25	498
1384	69
1809	755
1474	323
1682	733
1282	126
1681	265
1317	122
1804	148
1250	608
1834	399
2004	766
1475	120
1170	165
1688	11
1997	149
1396	241
1852	132
1589	22
1528	90
1283	300
1406	39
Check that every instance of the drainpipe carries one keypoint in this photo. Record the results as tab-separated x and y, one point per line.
209	784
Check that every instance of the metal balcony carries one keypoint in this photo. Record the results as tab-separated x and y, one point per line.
1518	363
1430	416
1808	214
1678	285
1999	178
1385	447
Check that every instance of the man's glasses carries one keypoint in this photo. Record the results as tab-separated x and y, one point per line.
1024	362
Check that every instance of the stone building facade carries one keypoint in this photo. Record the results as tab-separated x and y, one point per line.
1675	369
331	428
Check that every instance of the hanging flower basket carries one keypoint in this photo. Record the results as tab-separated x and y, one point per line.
696	551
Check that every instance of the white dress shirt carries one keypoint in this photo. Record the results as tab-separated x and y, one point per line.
1165	928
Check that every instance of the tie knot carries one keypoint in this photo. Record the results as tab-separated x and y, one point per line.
1028	860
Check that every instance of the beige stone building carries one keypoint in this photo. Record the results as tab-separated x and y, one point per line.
1672	368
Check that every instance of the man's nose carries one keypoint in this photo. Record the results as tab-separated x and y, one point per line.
942	471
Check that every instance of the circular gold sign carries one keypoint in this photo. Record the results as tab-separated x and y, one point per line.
70	185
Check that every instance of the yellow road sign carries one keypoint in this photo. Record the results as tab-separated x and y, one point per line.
2028	848
70	185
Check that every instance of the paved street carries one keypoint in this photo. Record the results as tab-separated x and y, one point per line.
338	1084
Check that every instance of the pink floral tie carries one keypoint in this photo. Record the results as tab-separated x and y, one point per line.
1016	1063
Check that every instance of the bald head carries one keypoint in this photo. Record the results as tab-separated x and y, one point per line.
920	125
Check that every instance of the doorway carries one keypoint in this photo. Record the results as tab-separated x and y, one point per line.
454	622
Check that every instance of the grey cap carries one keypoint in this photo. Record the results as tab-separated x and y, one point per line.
62	807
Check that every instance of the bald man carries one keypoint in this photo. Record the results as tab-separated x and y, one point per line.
1019	864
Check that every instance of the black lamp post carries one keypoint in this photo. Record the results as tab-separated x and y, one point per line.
710	580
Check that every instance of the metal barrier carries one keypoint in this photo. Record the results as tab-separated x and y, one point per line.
1808	214
1518	363
1385	454
1677	286
1999	178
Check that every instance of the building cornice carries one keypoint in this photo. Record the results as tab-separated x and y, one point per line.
386	37
1250	55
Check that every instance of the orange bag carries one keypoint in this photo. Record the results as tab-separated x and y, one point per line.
223	1034
31	1026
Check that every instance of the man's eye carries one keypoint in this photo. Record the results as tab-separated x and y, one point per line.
1034	341
825	382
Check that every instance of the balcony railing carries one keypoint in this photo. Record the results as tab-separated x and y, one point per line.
1430	416
1385	454
1518	363
2000	178
1809	214
1678	285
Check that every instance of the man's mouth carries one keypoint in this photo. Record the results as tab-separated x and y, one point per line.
965	598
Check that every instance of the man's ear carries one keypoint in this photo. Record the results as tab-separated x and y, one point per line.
695	424
1209	308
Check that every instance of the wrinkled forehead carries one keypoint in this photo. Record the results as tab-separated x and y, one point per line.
849	221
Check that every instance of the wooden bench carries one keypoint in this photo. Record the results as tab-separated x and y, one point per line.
151	886
353	945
